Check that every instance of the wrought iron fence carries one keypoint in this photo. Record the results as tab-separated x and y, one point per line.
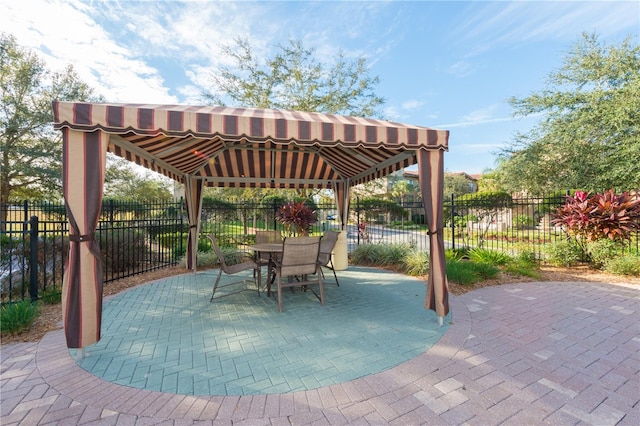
136	237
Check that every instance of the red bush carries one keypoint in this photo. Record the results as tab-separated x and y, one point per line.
599	216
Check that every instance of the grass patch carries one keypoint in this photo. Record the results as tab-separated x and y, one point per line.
486	271
490	257
417	263
462	272
522	269
18	317
52	296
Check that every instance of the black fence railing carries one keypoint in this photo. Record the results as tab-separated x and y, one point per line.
136	238
133	237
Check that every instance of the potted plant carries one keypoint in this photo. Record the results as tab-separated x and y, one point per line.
297	218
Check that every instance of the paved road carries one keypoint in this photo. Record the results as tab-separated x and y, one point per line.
520	354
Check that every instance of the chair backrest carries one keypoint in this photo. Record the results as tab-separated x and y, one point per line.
268	237
216	249
329	240
299	256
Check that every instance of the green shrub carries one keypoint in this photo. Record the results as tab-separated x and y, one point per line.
417	263
486	270
381	254
366	254
551	202
523	221
526	257
491	257
52	296
209	259
121	249
456	254
628	264
394	254
18	317
487	199
462	272
602	250
563	253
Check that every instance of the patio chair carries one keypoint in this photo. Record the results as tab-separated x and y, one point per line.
267	237
234	263
329	240
299	261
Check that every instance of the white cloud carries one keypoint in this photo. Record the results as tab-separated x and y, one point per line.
74	37
492	25
461	69
412	104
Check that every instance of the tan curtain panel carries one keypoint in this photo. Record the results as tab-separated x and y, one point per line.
193	199
84	158
431	173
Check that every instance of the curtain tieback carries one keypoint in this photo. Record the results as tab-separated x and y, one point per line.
80	238
437	231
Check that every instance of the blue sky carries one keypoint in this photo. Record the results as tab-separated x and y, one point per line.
451	65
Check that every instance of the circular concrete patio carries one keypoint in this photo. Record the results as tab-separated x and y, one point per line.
166	336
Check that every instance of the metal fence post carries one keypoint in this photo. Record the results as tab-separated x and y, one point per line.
275	213
453	223
358	218
33	258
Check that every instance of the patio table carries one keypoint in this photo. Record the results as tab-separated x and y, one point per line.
272	249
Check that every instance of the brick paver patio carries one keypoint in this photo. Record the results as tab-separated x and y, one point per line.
520	354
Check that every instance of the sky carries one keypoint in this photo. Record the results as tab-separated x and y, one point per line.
443	64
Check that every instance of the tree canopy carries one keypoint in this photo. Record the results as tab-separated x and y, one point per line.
122	181
589	137
294	79
30	150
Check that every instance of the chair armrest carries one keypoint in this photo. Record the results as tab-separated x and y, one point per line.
237	257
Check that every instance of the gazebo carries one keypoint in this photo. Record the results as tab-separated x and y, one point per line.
231	147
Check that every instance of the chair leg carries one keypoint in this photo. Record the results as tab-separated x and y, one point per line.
334	272
279	294
321	288
258	272
215	286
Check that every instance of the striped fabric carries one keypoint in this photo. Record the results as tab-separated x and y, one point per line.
84	158
244	147
431	176
341	194
193	201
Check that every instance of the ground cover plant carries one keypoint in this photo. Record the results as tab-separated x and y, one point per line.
464	267
16	318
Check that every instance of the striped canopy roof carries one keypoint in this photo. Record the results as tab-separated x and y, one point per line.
244	147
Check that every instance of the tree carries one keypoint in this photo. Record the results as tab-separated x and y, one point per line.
400	189
30	150
121	178
457	184
293	79
589	137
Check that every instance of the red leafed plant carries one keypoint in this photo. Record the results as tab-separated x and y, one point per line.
296	217
606	215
